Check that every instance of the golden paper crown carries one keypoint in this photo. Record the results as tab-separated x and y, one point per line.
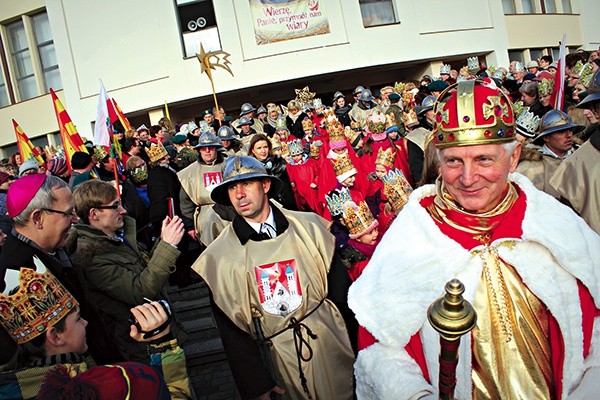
336	131
307	124
285	151
545	87
352	135
578	68
100	153
357	125
586	75
399	87
329	112
385	157
315	148
156	151
40	302
396	188
390	120
358	218
473	112
275	142
407	98
343	168
410	118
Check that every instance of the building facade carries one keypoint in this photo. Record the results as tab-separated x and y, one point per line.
144	50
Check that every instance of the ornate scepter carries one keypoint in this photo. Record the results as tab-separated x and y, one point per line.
451	316
210	60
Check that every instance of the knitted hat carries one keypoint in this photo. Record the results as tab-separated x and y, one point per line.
21	192
27	165
57	166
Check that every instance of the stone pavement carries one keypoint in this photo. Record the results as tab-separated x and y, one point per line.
207	364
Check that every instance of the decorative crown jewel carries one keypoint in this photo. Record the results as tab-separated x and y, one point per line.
473	64
40	302
336	200
445	69
343	168
315	148
528	123
156	152
358	218
295	147
410	118
376	122
473	112
385	157
307	124
396	188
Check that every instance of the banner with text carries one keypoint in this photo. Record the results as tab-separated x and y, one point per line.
279	20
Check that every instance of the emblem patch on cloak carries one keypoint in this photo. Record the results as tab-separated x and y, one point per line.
212	179
279	287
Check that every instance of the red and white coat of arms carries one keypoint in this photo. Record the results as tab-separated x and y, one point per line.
279	287
212	179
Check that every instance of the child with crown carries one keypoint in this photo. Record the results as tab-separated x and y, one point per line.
303	172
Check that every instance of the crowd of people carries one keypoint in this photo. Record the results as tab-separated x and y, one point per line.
323	233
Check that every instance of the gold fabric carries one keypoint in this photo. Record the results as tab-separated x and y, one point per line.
228	268
511	346
510	342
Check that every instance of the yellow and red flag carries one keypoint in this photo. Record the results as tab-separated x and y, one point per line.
26	148
114	111
71	140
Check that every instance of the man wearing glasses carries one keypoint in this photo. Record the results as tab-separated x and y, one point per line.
116	272
42	211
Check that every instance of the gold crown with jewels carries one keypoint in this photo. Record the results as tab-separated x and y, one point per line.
358	218
396	188
385	157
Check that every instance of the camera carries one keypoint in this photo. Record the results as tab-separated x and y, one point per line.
147	334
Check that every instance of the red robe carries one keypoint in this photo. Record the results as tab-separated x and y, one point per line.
302	175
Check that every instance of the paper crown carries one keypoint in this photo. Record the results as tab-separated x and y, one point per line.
336	200
353	135
410	119
295	147
156	152
390	120
343	168
337	138
473	112
100	153
473	65
396	188
39	303
528	123
275	142
545	87
358	218
315	148
399	87
585	77
518	67
580	69
285	151
307	124
376	123
357	125
445	69
139	174
281	124
317	103
385	157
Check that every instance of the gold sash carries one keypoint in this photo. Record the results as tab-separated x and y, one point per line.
511	346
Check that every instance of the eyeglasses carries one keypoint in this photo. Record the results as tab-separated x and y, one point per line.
114	206
66	214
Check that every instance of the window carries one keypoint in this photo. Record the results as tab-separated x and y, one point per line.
21	57
535	54
509	6
198	26
549	7
566	5
377	12
515	55
45	46
528	7
4	101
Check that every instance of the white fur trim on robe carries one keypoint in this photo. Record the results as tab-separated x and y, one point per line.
412	264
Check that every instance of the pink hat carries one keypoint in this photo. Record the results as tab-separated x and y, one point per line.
21	192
